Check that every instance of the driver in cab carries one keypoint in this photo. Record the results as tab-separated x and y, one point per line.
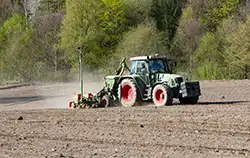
156	66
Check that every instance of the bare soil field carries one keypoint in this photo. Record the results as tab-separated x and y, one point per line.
35	122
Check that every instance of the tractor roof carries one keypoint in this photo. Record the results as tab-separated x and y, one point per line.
147	57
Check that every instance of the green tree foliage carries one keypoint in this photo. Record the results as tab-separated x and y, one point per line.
5	10
216	11
53	6
40	39
210	48
167	13
95	26
210	70
16	60
80	30
47	37
142	40
237	52
137	11
112	22
224	54
186	40
209	56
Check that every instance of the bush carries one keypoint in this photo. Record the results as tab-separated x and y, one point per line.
210	70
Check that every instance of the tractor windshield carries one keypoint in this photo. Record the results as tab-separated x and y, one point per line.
132	68
157	65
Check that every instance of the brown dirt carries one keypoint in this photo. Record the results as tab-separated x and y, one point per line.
219	126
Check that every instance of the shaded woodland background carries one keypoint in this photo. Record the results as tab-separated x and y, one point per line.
39	39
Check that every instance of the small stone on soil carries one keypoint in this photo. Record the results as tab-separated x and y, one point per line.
20	118
61	155
67	145
22	138
142	126
53	149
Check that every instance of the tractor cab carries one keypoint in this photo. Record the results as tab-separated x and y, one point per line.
150	64
152	69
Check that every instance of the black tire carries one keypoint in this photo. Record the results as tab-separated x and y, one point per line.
105	101
162	95
127	93
190	100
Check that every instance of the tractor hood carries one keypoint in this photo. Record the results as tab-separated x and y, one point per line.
172	80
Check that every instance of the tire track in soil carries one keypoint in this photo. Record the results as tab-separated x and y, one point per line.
135	144
139	146
216	129
202	127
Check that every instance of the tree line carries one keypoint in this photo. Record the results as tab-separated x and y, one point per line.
40	39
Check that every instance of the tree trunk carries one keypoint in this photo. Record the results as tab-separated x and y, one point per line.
12	3
246	72
25	11
56	61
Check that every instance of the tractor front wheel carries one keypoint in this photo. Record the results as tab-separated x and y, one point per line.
162	95
127	93
105	101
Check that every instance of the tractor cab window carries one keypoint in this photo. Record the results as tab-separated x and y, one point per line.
141	67
157	65
132	68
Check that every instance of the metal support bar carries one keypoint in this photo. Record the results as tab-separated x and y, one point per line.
81	74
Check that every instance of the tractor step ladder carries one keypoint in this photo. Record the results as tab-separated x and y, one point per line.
147	93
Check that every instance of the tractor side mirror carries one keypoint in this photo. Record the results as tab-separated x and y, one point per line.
173	64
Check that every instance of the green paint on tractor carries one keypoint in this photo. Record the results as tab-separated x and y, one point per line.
149	78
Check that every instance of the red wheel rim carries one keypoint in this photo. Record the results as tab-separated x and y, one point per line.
159	96
70	105
127	93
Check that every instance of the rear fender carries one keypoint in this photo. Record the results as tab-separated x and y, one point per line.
157	83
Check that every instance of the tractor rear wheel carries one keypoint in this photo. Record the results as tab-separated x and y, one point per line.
127	93
162	95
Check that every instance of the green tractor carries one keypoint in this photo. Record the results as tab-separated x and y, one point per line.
150	78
